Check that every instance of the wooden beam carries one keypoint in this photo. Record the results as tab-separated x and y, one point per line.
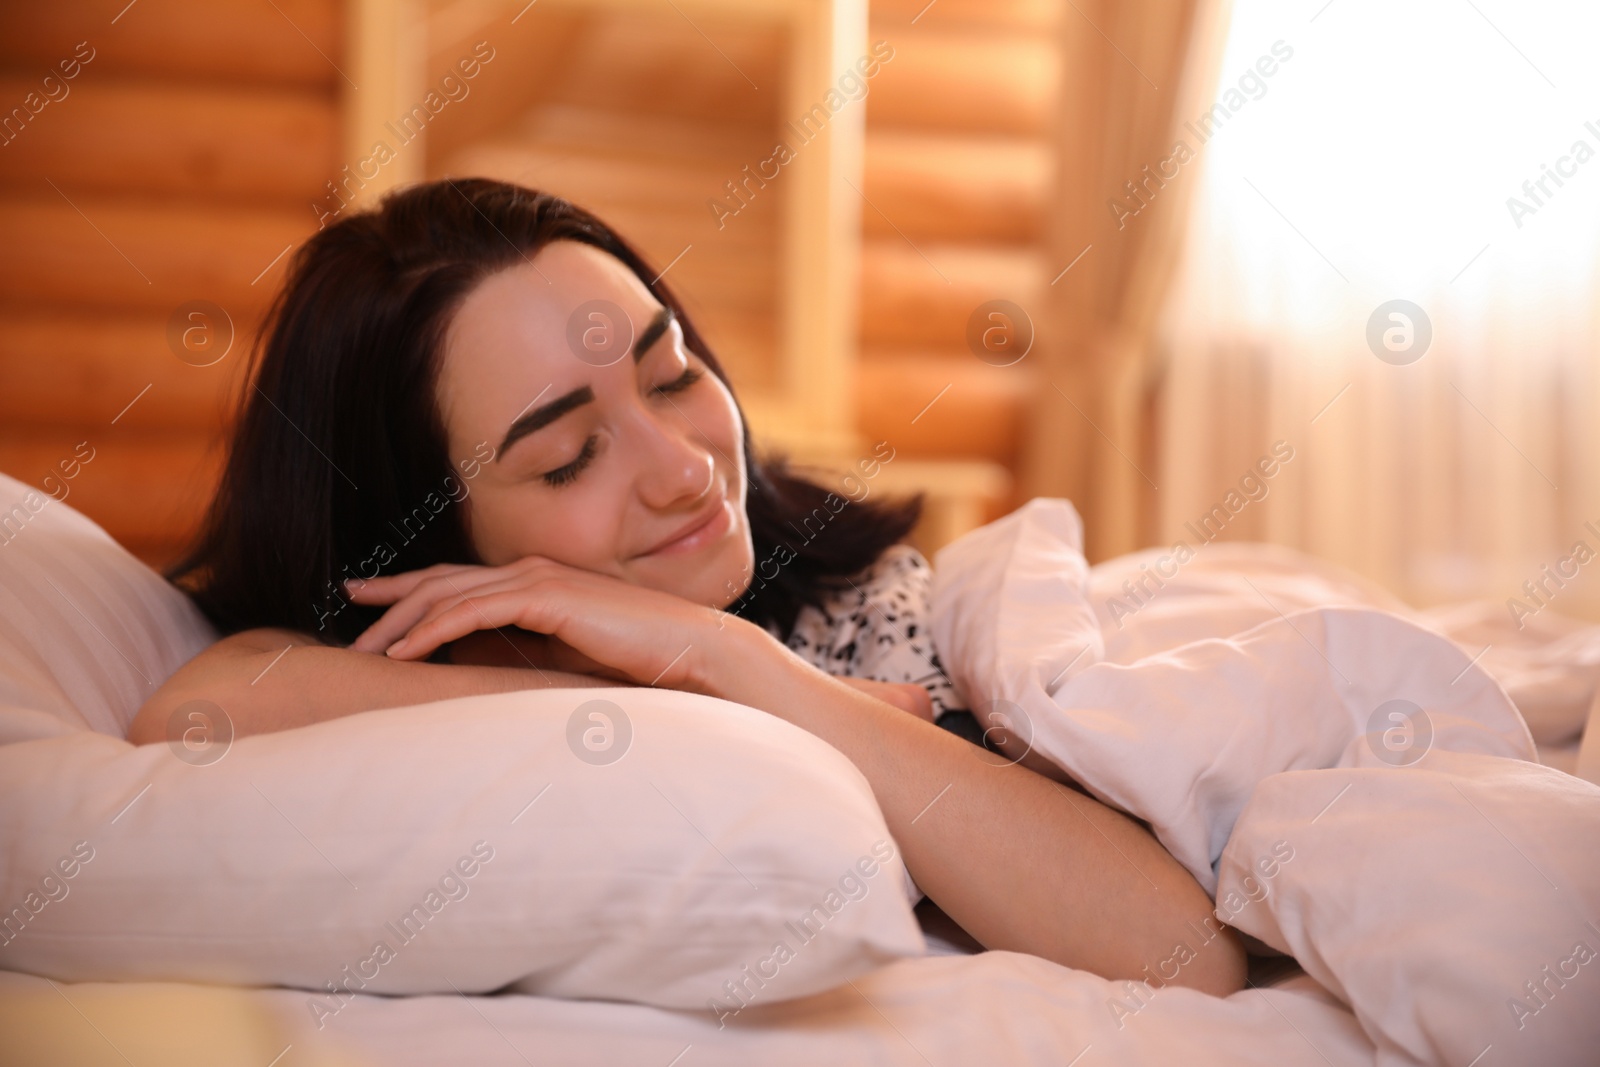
386	58
822	225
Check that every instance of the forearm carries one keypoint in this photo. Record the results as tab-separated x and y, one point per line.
269	680
1019	861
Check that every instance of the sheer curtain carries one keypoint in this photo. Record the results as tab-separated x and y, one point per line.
1440	152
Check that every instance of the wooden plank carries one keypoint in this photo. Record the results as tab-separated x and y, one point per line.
218	143
956	187
923	294
677	139
959	81
72	368
943	407
531	58
142	487
1036	16
116	254
717	66
285	42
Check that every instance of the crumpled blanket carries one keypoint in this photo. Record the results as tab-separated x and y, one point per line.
1354	789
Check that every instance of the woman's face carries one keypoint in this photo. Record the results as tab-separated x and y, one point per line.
627	461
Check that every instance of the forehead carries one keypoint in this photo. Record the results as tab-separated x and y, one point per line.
508	341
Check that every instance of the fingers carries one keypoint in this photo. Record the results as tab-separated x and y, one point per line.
604	623
512	604
464	597
423	592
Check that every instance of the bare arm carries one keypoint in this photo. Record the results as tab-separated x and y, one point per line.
1019	861
268	680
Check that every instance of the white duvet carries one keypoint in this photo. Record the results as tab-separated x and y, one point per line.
1357	791
1354	788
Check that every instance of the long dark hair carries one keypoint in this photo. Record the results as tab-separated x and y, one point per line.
339	436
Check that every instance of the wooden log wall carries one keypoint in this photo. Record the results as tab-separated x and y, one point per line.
957	166
152	155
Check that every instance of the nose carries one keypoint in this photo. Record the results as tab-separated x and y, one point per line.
677	465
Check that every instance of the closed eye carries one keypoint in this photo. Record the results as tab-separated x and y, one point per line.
566	473
681	382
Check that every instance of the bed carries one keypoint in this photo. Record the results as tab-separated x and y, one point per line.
481	881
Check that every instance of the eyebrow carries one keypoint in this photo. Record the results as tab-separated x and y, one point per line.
658	324
545	414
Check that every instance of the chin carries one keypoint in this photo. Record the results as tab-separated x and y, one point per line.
726	574
716	577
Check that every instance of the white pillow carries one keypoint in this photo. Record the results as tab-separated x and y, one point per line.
1429	897
87	632
671	876
726	858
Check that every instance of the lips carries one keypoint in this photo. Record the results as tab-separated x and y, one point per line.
690	536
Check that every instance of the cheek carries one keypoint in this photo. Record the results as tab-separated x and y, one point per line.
738	562
579	525
722	424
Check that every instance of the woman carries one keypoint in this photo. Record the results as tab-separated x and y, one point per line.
484	393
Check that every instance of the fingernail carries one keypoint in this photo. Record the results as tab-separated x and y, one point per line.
394	648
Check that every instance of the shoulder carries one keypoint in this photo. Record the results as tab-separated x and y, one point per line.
895	586
876	626
896	576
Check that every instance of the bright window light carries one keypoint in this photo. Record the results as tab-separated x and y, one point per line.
1407	148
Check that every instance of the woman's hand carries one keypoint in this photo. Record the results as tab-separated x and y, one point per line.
510	646
595	623
465	604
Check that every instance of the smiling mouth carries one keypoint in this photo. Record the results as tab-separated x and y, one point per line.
697	534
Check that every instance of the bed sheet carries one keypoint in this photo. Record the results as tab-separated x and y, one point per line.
996	1008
